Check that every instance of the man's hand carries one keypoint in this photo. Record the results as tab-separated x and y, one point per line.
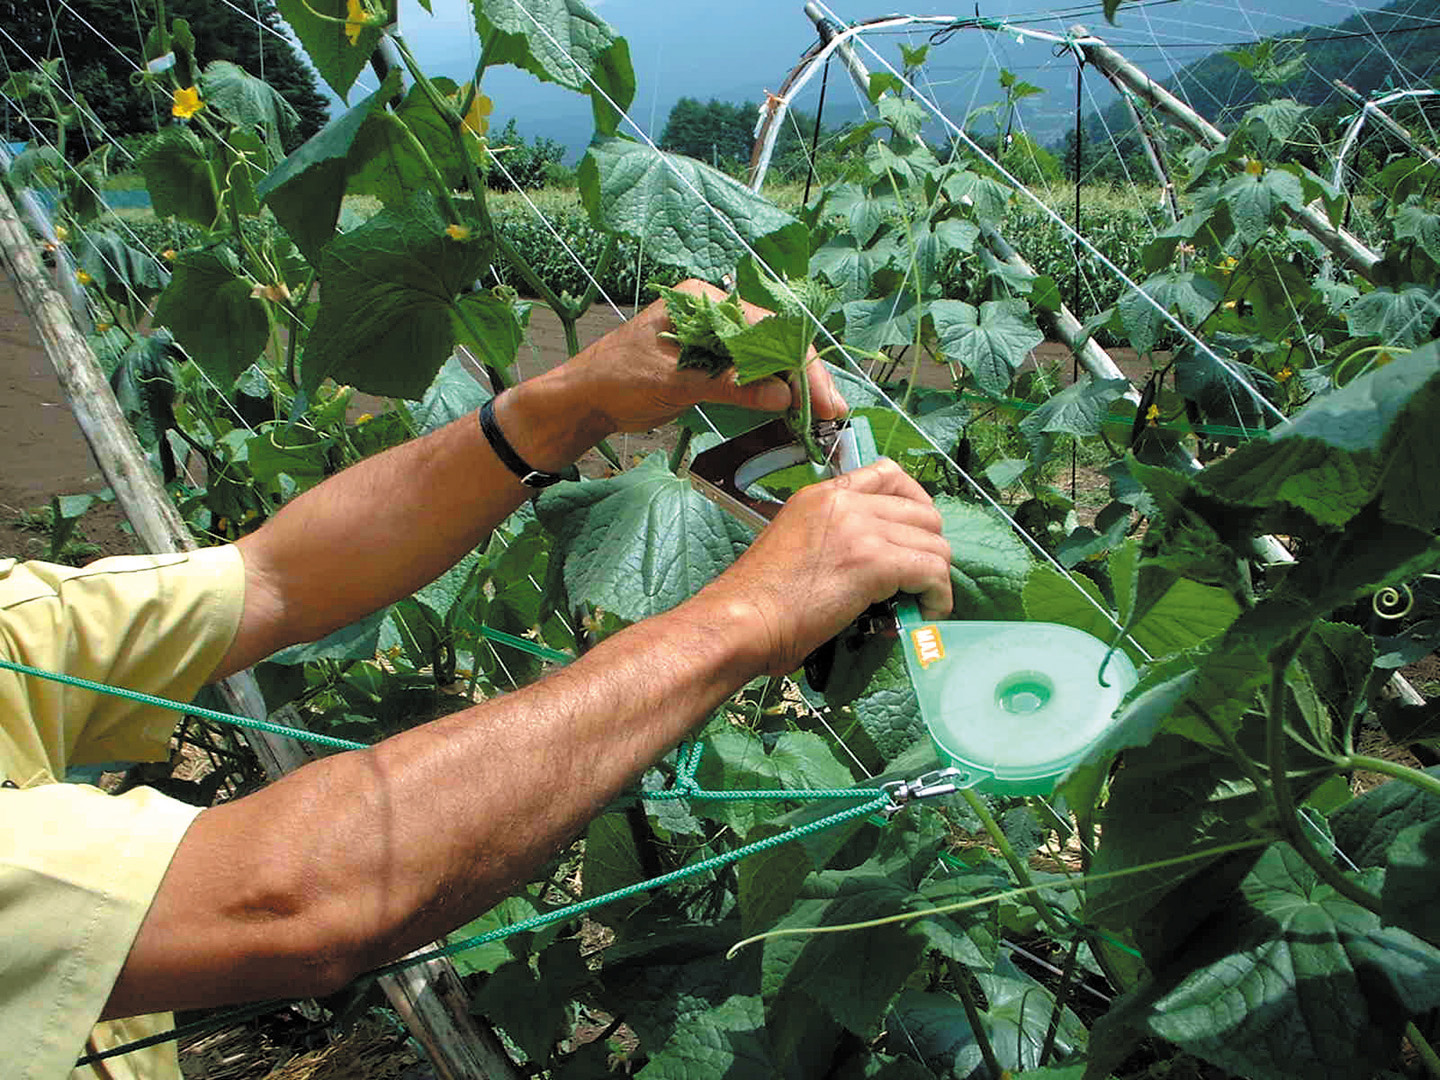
637	385
834	549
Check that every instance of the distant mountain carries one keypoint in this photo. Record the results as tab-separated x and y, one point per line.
1396	47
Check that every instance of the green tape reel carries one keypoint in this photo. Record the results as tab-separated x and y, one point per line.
1012	705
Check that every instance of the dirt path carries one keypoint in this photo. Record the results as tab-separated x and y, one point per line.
42	452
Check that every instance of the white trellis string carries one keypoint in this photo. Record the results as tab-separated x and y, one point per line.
760	261
975	147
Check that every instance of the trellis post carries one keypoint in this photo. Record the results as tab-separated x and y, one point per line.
1346	247
428	997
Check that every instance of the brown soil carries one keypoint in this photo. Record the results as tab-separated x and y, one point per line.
45	454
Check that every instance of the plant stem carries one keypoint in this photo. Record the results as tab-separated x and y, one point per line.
1424	1050
607	255
1062	992
682	447
1016	864
801	420
530	277
913	271
441	187
1286	816
1424	781
966	993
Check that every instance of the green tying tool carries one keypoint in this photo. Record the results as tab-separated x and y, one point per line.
1010	706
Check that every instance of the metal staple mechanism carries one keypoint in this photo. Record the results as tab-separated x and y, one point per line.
926	786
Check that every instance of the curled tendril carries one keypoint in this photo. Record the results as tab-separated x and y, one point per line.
1393	603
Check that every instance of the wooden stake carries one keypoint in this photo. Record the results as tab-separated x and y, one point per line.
429	998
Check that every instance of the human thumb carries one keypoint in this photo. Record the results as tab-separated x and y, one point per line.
766	395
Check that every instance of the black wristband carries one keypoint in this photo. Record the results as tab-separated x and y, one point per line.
528	476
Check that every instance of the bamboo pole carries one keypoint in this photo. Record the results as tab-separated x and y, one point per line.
1388	122
1346	247
429	997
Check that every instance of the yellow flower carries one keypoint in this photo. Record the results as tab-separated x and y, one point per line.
1285	374
186	102
1254	166
101	327
477	120
1152	414
356	20
62	233
83	278
364	418
169	254
458	232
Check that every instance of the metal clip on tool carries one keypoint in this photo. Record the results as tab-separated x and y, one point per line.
937	782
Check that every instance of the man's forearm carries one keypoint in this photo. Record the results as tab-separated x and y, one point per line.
359	858
393	523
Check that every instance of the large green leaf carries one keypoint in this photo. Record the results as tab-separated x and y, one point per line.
1365	828
561	41
777	345
1375	436
1079	409
144	384
855	977
387	293
305	190
1289	979
846	265
491	326
124	272
385	162
335	56
657	198
888	321
1051	596
1402	319
249	103
1170	799
676	970
209	308
729	1040
1408	897
638	543
990	343
1191	297
454	393
988	562
888	709
1254	200
864	211
1420	225
736	759
612	861
179	177
534	1006
486	958
1015	1018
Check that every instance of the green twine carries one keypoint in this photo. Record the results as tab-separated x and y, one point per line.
876	800
299	734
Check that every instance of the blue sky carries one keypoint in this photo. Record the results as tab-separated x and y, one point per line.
736	51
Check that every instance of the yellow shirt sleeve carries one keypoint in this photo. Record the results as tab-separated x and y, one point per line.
154	623
79	868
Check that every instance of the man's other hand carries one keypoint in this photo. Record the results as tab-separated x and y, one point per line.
632	379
